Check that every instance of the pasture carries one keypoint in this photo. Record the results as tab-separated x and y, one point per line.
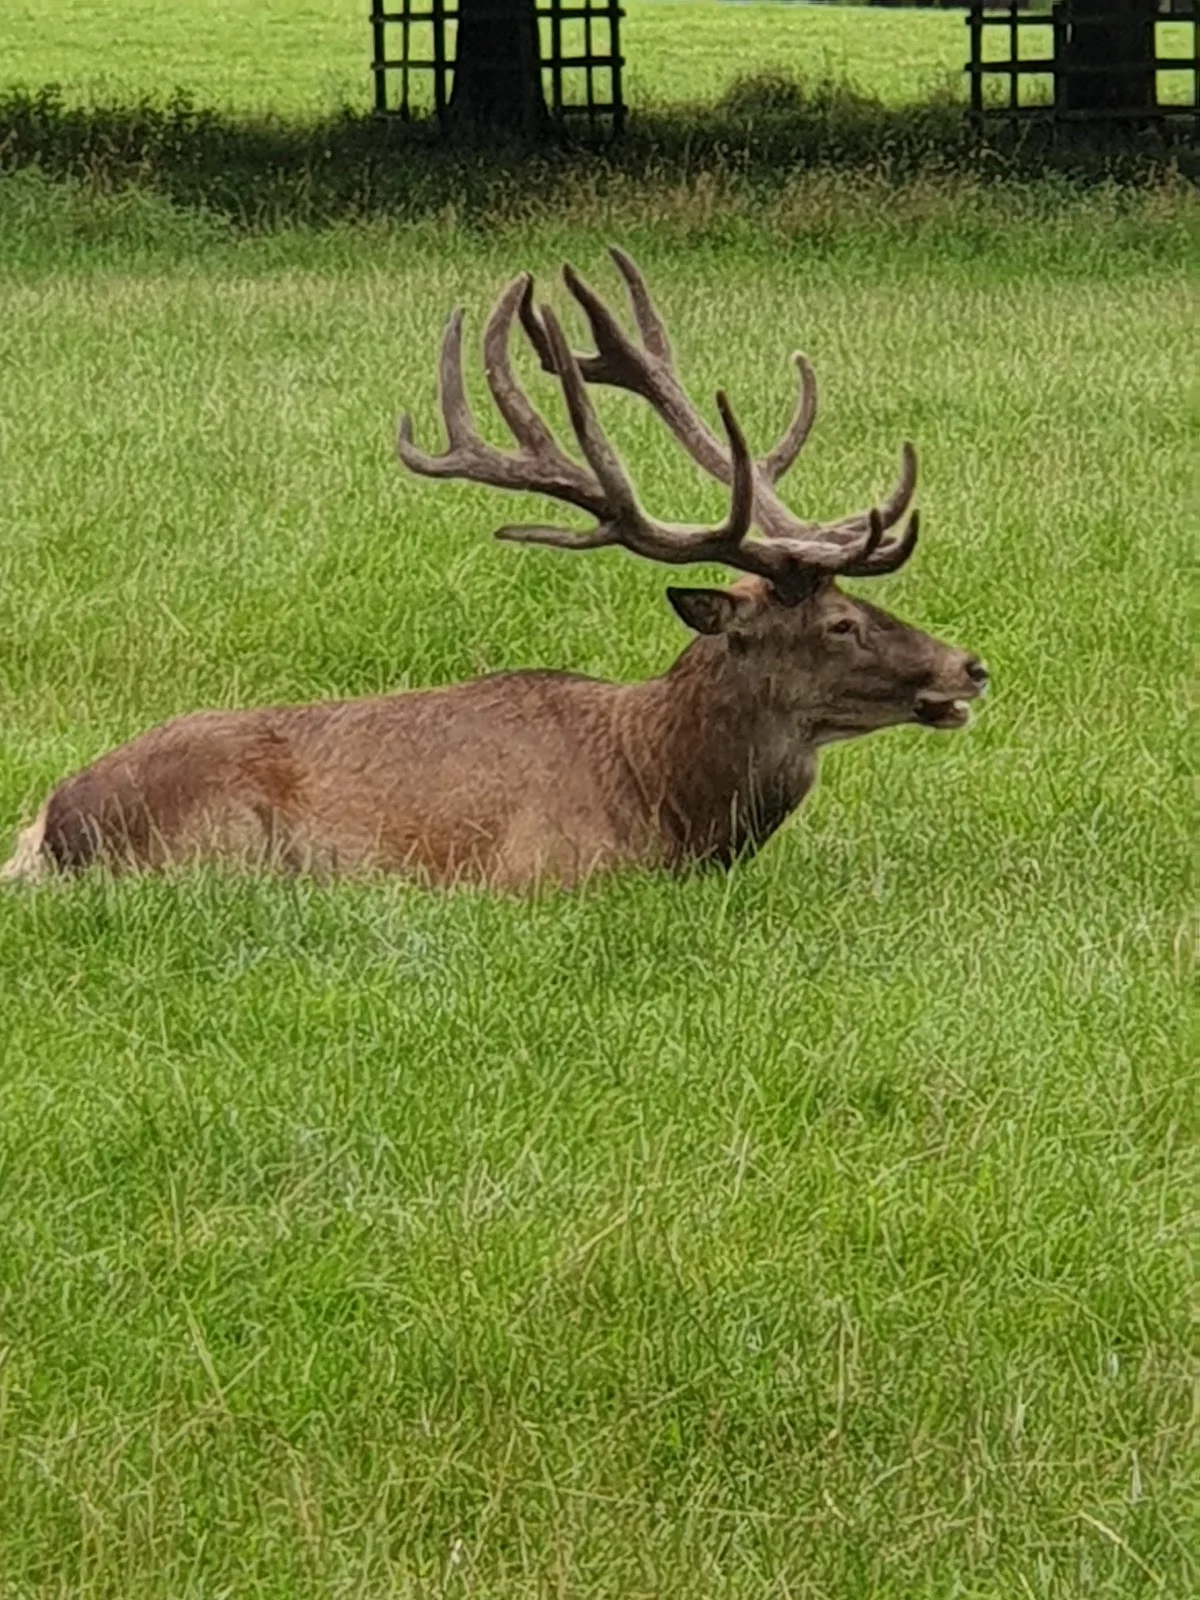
312	57
824	1229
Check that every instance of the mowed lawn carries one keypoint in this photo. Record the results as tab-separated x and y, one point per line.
312	57
308	57
825	1229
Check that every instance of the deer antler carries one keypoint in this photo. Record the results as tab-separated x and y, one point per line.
788	558
648	369
539	464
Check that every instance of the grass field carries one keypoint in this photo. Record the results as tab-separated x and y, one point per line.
821	1230
310	57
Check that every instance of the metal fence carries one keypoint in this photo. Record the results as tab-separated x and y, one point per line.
414	45
1051	65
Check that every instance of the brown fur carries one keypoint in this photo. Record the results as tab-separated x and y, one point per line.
512	779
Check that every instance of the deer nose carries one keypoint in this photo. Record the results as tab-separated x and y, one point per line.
977	671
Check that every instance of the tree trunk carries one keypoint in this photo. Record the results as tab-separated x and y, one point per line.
1116	54
497	92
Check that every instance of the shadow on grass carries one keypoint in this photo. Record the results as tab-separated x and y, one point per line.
267	172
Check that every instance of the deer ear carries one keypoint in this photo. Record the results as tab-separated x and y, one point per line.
705	610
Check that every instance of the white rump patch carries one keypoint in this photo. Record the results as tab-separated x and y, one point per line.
28	864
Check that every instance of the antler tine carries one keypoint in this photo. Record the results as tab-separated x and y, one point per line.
617	361
863	552
888	557
780	459
593	441
896	504
647	369
534	331
456	412
456	409
625	522
622	364
650	325
807	549
557	538
539	465
890	510
741	502
525	425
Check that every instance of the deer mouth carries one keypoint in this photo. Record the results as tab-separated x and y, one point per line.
941	711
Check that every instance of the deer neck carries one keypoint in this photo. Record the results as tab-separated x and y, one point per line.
716	765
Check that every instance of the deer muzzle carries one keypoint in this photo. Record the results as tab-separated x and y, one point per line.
950	710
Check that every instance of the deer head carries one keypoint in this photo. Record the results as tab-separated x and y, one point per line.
832	664
799	645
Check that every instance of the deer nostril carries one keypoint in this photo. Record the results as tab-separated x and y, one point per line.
977	671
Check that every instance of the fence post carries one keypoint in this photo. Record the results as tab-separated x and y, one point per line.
378	53
614	45
439	59
975	25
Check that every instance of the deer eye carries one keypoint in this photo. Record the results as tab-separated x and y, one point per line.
842	625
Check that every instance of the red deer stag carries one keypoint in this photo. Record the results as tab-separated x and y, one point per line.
547	775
